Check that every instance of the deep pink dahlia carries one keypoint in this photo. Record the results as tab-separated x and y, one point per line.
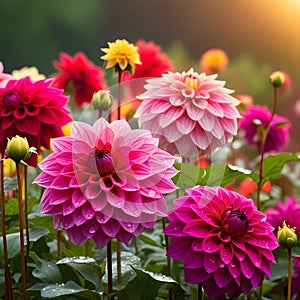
224	241
105	181
80	75
288	212
33	110
188	112
258	116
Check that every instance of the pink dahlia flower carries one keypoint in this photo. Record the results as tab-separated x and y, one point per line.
33	110
258	116
190	113
288	212
80	75
224	241
105	181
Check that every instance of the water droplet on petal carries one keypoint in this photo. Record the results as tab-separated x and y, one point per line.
151	193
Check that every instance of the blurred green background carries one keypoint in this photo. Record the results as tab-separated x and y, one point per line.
258	36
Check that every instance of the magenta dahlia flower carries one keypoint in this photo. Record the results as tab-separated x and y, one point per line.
188	112
224	241
259	116
105	181
288	212
33	110
79	76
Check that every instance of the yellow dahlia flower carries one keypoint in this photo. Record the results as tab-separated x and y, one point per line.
122	55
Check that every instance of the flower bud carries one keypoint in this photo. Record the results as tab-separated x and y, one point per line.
286	236
277	79
17	148
102	100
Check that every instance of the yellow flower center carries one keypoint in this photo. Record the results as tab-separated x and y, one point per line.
192	82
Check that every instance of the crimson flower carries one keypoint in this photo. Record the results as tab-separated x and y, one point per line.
79	76
33	110
105	181
224	241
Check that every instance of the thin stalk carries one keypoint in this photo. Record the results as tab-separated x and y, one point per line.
119	95
22	252
119	268
262	149
26	207
109	268
199	291
58	237
169	266
5	252
289	291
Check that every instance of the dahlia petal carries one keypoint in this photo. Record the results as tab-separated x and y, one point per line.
212	289
124	236
217	131
194	112
222	277
158	107
207	121
170	116
211	262
61	183
197	245
257	278
76	236
215	109
245	285
195	276
111	228
185	215
101	239
200	138
247	268
211	244
226	253
193	260
84	132
7	122
177	248
78	218
61	144
30	125
175	229
185	125
198	228
92	191
254	256
44	179
87	211
234	268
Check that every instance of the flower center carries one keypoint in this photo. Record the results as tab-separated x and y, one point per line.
12	100
103	160
192	82
235	223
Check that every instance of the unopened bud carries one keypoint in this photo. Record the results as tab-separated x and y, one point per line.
17	148
277	79
286	236
102	100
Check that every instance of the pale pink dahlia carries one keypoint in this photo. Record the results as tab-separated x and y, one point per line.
105	181
189	112
225	242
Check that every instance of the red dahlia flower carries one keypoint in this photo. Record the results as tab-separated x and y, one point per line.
33	110
81	75
225	242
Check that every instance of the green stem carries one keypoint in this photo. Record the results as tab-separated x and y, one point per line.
199	291
26	207
58	243
22	252
119	268
119	95
169	267
109	269
8	288
289	274
262	150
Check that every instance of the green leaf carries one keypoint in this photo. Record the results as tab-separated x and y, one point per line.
273	164
223	175
47	272
145	285
65	291
188	175
13	239
86	267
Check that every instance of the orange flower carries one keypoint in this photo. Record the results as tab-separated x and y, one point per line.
248	187
213	61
